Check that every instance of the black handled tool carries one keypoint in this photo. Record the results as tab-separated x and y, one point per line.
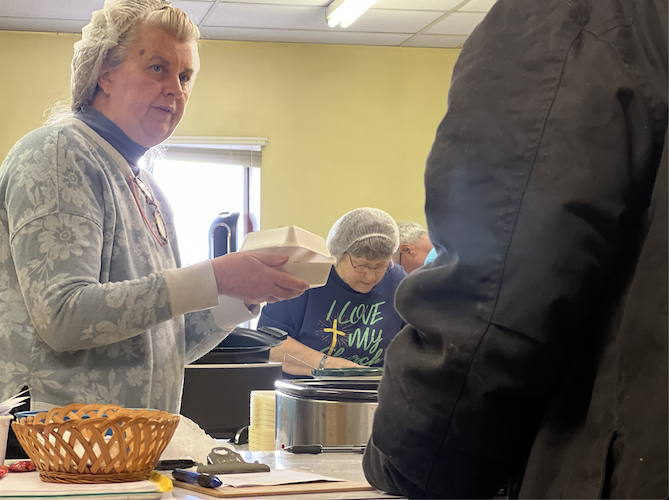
317	448
183	463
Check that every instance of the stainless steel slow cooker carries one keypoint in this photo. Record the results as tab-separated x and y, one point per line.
325	412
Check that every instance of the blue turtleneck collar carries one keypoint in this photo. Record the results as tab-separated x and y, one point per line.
111	133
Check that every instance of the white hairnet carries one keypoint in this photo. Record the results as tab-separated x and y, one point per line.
100	35
360	224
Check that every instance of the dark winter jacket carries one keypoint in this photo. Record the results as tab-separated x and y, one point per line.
540	350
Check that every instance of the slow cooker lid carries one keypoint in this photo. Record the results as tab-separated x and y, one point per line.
330	390
242	340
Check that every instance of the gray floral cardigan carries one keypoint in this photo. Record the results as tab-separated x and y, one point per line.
91	306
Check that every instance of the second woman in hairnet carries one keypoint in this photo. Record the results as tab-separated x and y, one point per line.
350	321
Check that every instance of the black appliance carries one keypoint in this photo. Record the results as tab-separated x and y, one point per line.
217	387
223	234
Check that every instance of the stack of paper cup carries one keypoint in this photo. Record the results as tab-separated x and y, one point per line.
261	428
4	436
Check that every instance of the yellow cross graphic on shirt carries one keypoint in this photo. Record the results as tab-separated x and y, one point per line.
335	332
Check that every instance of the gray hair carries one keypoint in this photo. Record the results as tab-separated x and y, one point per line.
106	39
372	248
364	232
410	232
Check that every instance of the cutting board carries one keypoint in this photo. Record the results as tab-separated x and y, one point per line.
282	489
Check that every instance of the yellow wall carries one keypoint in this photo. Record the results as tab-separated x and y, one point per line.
348	126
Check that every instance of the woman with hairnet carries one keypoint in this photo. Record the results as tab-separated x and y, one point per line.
95	306
350	321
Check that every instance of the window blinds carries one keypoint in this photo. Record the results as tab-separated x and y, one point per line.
242	151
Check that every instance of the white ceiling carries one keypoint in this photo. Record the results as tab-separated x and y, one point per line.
398	23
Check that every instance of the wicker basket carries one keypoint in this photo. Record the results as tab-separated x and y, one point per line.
95	443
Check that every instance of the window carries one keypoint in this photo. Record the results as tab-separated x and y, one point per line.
203	177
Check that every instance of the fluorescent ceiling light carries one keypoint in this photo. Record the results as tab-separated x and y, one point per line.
346	11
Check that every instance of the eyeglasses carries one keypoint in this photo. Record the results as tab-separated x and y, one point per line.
366	269
161	236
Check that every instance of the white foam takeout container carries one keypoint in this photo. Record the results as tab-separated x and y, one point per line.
309	258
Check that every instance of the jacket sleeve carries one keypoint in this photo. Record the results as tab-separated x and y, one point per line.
56	205
207	328
60	206
538	174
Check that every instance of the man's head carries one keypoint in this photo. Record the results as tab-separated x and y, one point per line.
414	246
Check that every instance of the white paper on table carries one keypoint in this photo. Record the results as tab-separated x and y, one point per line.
28	484
272	478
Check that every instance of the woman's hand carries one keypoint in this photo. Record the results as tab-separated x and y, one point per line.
334	362
298	359
251	277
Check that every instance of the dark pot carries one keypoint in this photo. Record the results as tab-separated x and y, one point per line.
244	345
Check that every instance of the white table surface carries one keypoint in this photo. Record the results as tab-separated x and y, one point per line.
346	466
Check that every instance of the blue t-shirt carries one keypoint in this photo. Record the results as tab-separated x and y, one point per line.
336	320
